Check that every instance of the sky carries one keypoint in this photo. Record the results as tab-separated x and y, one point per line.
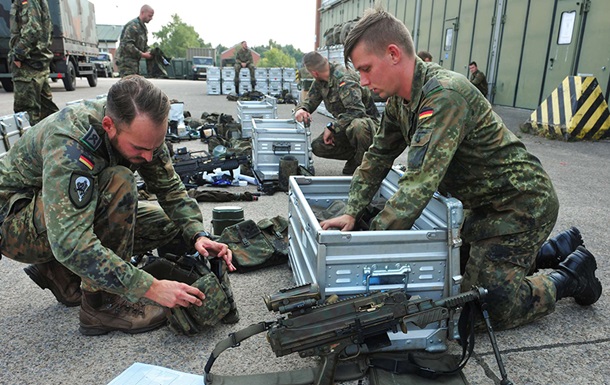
225	22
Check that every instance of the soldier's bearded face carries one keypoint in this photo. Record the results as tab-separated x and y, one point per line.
138	141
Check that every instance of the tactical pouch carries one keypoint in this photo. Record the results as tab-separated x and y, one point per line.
257	245
196	272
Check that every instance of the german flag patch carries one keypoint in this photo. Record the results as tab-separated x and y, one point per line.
341	84
425	112
86	161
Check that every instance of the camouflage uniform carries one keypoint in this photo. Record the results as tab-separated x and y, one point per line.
134	41
244	56
31	33
459	146
353	108
67	194
480	81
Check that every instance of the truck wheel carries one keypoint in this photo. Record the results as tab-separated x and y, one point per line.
92	79
69	78
7	84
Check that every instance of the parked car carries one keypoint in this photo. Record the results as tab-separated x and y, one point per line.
200	66
104	65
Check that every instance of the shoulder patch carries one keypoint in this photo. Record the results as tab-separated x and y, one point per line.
431	87
426	112
80	189
92	139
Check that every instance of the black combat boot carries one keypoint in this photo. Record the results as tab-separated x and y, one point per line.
102	312
64	284
253	83
575	277
556	249
237	88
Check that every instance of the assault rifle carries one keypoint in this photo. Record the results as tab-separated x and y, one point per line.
336	331
191	169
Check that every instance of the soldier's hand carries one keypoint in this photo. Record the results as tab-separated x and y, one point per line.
344	222
301	116
204	245
172	293
147	55
329	137
17	63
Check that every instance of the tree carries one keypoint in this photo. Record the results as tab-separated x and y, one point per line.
276	58
177	36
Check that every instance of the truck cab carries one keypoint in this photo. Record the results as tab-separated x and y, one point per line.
200	66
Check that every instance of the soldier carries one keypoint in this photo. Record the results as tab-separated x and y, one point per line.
30	55
425	56
478	78
350	104
459	146
243	59
70	208
134	43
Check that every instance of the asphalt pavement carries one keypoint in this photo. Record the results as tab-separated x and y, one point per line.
40	342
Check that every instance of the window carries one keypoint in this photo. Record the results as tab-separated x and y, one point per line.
566	28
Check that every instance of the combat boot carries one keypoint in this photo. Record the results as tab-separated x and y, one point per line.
556	249
237	88
350	166
64	284
102	312
253	84
575	277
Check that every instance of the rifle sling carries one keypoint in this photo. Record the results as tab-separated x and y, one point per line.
345	371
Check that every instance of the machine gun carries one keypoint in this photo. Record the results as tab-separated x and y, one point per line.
336	331
191	169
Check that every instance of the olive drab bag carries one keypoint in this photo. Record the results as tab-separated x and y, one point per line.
208	275
257	245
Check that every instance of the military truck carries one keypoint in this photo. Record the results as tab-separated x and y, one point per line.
74	43
201	59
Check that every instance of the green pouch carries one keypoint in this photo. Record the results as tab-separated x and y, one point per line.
254	247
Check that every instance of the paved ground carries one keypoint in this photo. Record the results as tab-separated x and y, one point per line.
40	342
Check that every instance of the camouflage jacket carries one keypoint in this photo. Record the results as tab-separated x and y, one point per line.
480	81
134	41
31	33
243	56
45	159
457	145
343	97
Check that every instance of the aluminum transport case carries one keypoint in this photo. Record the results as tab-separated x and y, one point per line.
275	138
12	127
248	110
424	260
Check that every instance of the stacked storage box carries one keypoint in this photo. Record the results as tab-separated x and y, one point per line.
12	127
275	81
213	81
228	80
248	110
274	138
424	260
262	80
289	80
244	81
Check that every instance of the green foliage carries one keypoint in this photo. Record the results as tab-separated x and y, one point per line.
274	57
177	36
289	50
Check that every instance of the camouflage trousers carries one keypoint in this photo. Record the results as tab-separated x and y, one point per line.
33	94
238	68
128	67
353	142
503	265
121	223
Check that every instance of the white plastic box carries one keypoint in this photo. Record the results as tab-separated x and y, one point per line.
424	260
274	138
213	87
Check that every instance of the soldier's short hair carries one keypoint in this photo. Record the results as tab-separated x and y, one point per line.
425	55
134	95
377	29
313	61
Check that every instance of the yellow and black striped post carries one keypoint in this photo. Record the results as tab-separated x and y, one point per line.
576	110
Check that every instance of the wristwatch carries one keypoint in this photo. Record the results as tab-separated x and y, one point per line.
199	235
331	127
